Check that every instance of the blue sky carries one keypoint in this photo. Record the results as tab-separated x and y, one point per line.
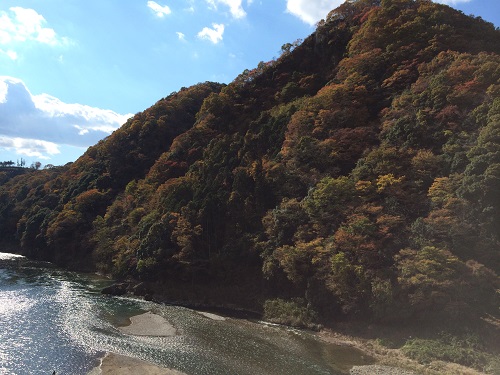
72	71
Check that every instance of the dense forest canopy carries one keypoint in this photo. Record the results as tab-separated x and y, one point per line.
358	174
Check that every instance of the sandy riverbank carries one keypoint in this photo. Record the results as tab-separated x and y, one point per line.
388	361
114	364
147	324
211	316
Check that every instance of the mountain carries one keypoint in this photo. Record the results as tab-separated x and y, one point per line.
357	176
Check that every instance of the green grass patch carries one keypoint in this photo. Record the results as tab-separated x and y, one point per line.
465	350
293	313
388	342
493	366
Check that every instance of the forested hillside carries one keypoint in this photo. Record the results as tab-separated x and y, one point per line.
357	175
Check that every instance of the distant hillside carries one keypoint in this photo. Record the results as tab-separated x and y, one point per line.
357	176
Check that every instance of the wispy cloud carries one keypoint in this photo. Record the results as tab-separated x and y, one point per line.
235	7
36	125
214	35
10	54
311	11
452	2
191	6
23	25
159	10
181	36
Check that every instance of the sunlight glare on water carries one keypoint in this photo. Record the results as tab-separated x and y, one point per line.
56	320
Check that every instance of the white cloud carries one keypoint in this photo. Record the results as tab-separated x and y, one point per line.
191	6
451	2
29	147
214	35
159	10
235	7
4	88
35	123
10	54
311	11
22	25
181	36
211	4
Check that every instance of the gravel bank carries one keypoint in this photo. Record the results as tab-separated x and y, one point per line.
379	370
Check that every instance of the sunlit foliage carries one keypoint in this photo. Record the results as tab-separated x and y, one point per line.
357	174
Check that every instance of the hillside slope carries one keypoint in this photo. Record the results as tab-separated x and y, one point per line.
358	175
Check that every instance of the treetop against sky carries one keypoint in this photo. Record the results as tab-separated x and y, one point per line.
72	71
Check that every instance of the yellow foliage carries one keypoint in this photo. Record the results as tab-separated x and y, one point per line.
387	180
364	187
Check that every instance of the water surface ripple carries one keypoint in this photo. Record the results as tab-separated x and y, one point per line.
56	320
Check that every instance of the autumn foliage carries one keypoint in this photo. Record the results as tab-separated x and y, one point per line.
358	173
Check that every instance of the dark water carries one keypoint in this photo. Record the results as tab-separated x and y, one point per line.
55	320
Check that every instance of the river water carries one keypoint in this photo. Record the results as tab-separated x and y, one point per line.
54	320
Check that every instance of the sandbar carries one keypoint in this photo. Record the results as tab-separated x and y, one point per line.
149	324
115	364
211	316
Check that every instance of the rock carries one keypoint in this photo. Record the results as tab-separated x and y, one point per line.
141	289
118	289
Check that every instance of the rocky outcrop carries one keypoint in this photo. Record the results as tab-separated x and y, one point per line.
117	289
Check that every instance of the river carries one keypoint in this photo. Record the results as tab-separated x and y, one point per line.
55	320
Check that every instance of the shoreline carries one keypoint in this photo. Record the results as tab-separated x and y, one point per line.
391	361
387	361
146	324
151	324
116	364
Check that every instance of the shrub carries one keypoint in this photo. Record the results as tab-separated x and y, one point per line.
465	351
293	312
